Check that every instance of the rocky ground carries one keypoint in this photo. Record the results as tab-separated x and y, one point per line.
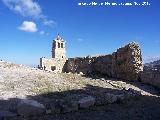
72	96
143	108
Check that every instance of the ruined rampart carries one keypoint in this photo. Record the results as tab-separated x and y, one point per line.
151	77
125	63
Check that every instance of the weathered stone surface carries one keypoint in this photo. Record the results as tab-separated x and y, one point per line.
151	77
30	108
121	98
111	98
69	107
53	64
7	114
128	62
107	98
133	92
86	102
77	65
62	106
54	107
125	63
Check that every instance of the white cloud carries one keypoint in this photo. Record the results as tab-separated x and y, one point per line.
42	32
48	22
28	8
28	26
24	7
80	40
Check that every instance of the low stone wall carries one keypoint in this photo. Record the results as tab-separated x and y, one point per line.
26	108
151	77
125	63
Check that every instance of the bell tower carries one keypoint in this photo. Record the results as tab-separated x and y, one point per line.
58	48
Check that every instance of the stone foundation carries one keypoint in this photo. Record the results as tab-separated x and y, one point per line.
125	63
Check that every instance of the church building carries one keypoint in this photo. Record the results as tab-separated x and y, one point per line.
58	59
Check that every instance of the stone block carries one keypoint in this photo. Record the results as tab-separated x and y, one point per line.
30	108
86	102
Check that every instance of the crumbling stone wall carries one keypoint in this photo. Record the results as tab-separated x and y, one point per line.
151	77
77	65
125	63
103	64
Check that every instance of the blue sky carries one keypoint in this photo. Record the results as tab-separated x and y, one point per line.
29	26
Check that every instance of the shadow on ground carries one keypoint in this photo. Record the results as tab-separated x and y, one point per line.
136	108
139	84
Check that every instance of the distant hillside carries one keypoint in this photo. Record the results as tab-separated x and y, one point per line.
153	65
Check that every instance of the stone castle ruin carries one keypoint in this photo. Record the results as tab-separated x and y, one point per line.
58	59
125	63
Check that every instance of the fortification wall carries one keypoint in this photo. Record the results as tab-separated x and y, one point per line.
151	77
125	63
76	65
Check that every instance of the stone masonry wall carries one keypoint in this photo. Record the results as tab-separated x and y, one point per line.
151	77
76	65
53	62
125	63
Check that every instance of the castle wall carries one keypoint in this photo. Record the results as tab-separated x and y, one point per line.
125	63
76	65
151	77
